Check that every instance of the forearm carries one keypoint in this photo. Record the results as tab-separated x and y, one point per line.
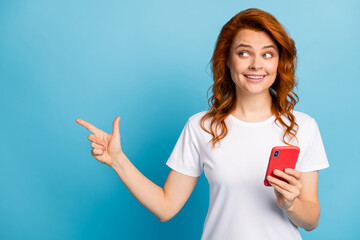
150	195
304	214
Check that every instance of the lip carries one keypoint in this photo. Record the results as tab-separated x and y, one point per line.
255	80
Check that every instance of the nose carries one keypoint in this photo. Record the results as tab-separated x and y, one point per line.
255	64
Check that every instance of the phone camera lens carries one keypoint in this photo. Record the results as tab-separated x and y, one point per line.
276	153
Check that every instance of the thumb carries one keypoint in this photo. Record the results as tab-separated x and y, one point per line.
116	131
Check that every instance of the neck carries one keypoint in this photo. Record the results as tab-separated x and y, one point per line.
253	107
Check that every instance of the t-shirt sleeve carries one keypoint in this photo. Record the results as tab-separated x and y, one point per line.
185	157
314	157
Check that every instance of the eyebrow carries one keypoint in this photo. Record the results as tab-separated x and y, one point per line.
248	46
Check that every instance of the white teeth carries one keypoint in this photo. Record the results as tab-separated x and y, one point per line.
254	77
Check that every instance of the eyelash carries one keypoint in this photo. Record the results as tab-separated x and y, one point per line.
240	54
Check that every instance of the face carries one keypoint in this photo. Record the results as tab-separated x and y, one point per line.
253	62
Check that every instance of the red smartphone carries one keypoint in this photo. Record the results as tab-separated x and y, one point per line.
281	157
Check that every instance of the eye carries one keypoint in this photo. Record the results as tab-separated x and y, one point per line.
268	55
243	54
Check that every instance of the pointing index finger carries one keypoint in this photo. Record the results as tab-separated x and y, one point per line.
87	125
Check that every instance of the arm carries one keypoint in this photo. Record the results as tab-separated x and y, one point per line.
178	188
165	202
298	198
304	214
150	195
305	211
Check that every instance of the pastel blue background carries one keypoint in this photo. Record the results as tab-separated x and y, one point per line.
147	61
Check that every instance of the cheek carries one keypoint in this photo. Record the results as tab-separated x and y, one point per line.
272	67
237	65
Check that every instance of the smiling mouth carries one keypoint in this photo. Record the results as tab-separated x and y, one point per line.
254	78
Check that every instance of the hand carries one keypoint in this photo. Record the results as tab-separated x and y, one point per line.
286	192
106	147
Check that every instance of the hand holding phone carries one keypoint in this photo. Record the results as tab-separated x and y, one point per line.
281	157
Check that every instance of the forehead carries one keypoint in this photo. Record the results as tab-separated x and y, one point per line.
256	39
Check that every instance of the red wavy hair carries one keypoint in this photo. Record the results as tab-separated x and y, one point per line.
223	100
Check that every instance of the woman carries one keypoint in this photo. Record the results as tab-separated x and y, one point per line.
251	111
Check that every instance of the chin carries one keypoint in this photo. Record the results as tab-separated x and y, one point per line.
256	91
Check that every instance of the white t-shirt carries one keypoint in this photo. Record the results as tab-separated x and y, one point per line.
241	206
